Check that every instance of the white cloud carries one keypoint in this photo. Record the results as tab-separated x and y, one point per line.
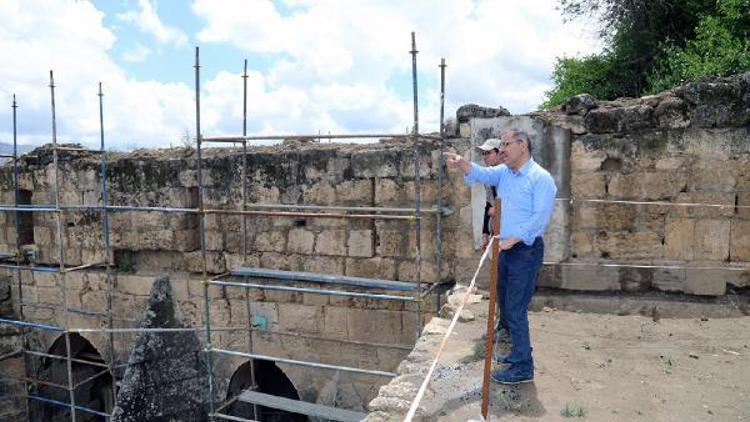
335	66
498	52
136	55
148	21
70	38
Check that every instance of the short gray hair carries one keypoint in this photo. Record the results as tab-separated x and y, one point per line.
520	136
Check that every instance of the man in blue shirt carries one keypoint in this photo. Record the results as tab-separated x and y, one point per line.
528	194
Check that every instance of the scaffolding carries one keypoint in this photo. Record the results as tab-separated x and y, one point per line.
406	292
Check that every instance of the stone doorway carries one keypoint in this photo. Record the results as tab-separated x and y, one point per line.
271	380
91	391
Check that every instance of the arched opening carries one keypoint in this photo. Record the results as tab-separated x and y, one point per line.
270	380
92	383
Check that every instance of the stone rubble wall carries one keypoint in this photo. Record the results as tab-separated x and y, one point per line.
687	145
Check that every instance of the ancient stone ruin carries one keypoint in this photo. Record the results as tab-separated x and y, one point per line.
653	198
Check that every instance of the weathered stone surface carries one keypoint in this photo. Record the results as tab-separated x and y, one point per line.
607	120
469	111
671	113
360	243
589	185
331	242
712	239
378	267
705	282
678	241
165	377
740	240
301	241
579	104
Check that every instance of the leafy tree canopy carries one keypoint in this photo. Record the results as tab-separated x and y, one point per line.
651	45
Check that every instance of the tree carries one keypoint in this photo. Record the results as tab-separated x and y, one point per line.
648	44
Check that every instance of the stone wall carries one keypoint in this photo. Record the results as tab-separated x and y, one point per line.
688	145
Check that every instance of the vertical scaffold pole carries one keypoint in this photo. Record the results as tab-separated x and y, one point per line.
17	215
105	236
253	385
61	248
441	164
417	213
202	216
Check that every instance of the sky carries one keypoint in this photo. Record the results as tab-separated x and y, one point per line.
314	66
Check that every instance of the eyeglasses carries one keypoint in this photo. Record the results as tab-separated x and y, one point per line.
486	153
506	144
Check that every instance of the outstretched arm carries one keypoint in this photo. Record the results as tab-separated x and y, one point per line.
454	160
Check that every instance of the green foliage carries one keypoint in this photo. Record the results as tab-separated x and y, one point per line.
573	410
720	48
573	76
653	45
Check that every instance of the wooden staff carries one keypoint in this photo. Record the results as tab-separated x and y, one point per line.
491	317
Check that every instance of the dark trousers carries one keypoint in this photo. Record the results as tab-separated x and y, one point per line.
518	268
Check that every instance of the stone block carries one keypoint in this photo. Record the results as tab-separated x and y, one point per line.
743	202
679	238
387	192
712	175
588	185
355	192
300	241
581	243
42	279
94	301
583	160
427	193
278	261
646	185
300	318
370	325
49	295
312	299
390	243
323	265
377	267
379	164
186	240
671	164
407	271
270	241
721	198
331	242
712	239
319	194
739	246
590	278
669	279
705	282
214	240
360	243
637	245
134	284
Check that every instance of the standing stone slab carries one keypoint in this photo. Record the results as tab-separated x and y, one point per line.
166	375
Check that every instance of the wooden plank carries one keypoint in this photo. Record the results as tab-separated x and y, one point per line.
301	407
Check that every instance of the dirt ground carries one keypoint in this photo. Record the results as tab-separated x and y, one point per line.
605	368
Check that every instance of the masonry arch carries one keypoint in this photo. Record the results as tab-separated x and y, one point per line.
91	379
271	380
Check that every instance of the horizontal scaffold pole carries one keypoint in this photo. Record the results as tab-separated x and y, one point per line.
311	290
305	363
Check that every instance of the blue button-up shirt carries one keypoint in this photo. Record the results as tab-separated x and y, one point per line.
528	197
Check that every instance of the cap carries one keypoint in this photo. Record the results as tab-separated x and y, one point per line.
490	144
